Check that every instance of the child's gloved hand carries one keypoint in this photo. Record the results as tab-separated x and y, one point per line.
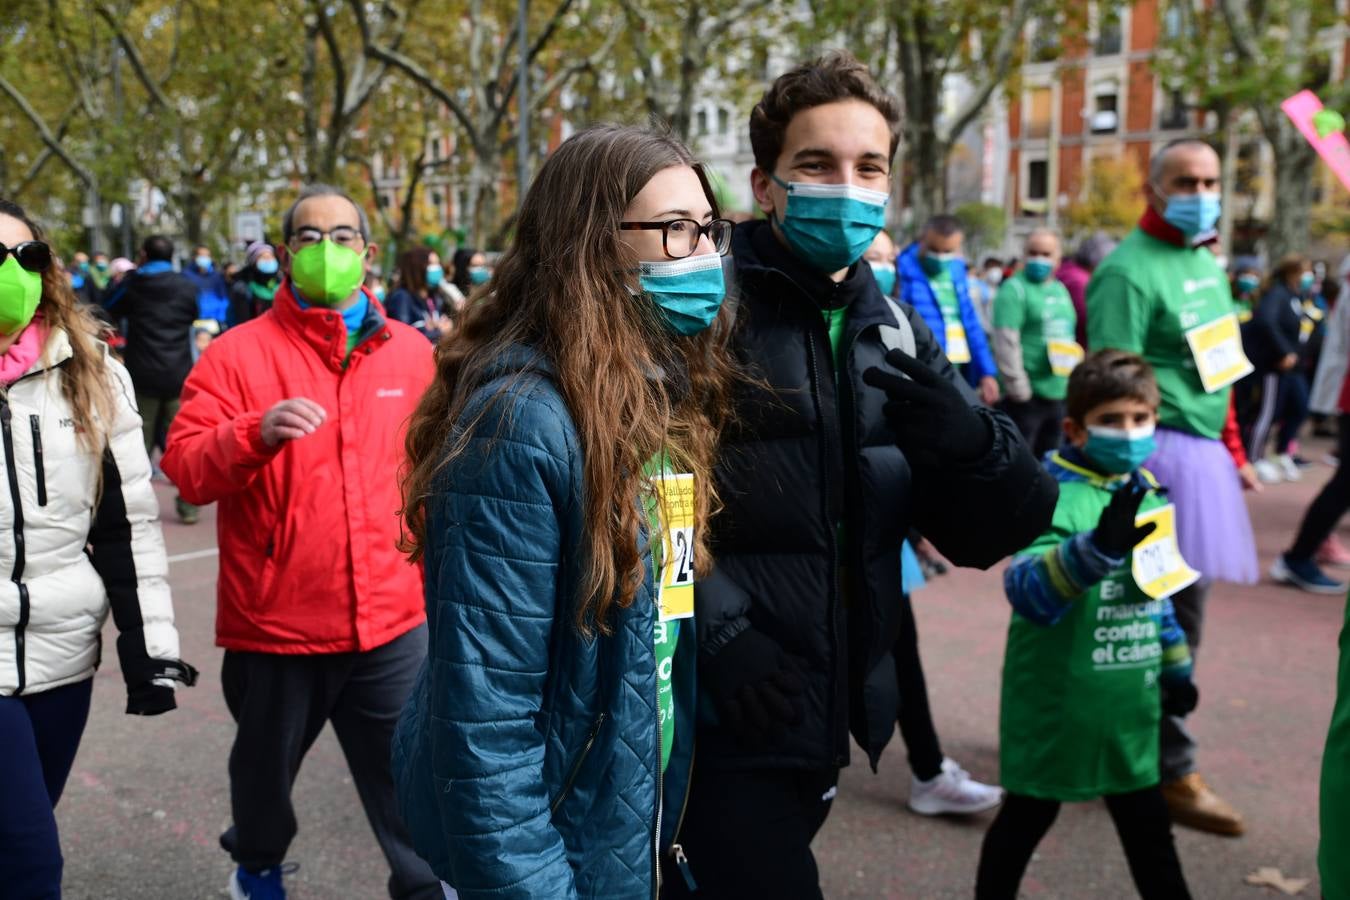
1116	534
1179	696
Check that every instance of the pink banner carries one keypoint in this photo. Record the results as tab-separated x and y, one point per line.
1324	129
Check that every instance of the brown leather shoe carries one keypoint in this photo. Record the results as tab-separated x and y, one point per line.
1192	803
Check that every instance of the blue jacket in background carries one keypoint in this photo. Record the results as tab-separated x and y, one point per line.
213	295
526	760
918	293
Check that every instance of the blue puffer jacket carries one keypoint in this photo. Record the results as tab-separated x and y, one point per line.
526	759
918	293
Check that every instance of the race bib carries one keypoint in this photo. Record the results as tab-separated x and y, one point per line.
1157	565
1064	356
675	507
958	348
1217	350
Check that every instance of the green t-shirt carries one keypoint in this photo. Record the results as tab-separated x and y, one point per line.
944	290
1080	709
1040	313
1143	298
667	634
1333	860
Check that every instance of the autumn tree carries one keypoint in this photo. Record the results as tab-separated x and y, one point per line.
1112	199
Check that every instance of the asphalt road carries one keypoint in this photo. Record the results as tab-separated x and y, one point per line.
148	797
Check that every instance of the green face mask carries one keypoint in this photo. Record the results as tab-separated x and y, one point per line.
326	273
20	291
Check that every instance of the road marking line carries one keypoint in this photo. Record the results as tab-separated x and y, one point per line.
195	554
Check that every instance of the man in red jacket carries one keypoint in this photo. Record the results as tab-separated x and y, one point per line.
294	423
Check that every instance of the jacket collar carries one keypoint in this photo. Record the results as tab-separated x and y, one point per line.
763	262
322	328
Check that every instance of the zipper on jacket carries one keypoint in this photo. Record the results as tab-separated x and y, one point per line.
576	766
677	851
37	459
827	435
656	837
6	431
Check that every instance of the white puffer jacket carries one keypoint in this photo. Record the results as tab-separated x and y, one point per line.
64	564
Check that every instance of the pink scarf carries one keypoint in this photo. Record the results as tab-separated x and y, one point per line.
21	355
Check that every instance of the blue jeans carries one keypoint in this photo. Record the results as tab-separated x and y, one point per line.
41	734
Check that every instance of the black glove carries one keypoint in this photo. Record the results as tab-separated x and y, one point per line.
755	688
932	420
1116	534
145	698
150	699
1179	697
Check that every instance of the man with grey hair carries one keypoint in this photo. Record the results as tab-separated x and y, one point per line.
1034	343
294	423
1161	294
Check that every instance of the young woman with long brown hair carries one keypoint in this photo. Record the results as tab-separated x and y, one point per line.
79	537
559	480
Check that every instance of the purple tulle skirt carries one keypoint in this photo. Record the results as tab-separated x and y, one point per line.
1213	526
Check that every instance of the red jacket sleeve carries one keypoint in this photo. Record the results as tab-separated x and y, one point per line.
215	446
1232	436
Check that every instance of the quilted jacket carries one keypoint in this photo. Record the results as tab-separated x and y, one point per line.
70	553
526	759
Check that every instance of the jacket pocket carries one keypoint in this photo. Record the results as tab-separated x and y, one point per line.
576	766
37	460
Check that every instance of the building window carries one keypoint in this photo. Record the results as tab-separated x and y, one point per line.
1036	190
1175	113
723	121
700	123
1172	22
1045	40
1105	109
1110	34
1039	110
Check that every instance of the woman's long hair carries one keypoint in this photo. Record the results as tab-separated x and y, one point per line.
412	270
85	381
563	290
460	276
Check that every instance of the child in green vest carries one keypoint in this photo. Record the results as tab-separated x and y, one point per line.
1089	651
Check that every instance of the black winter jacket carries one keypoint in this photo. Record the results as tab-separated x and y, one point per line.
1275	330
806	456
159	309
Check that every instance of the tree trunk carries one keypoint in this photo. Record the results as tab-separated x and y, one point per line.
1228	180
193	212
483	200
927	176
1295	167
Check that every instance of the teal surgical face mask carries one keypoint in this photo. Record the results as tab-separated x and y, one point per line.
884	273
1247	284
688	292
830	226
1038	269
1120	451
934	263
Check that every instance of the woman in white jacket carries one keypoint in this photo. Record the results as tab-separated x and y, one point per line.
79	537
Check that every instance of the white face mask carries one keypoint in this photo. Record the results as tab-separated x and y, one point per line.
994	277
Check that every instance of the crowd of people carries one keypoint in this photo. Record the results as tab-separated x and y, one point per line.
529	536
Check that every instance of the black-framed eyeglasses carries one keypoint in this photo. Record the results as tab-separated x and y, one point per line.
680	237
34	256
345	235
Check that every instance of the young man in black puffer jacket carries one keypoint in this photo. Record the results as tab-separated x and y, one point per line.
852	428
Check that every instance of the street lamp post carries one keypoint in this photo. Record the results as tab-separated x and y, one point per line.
522	102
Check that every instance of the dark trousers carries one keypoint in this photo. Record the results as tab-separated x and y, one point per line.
1177	747
1141	820
39	734
748	834
1294	398
281	702
1041	422
157	414
916	718
1330	504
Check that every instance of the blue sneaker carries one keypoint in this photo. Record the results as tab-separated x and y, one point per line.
1305	574
265	885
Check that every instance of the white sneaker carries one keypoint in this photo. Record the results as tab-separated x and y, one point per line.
1268	472
953	792
1288	468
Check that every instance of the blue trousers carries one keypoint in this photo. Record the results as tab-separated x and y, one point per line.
39	734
